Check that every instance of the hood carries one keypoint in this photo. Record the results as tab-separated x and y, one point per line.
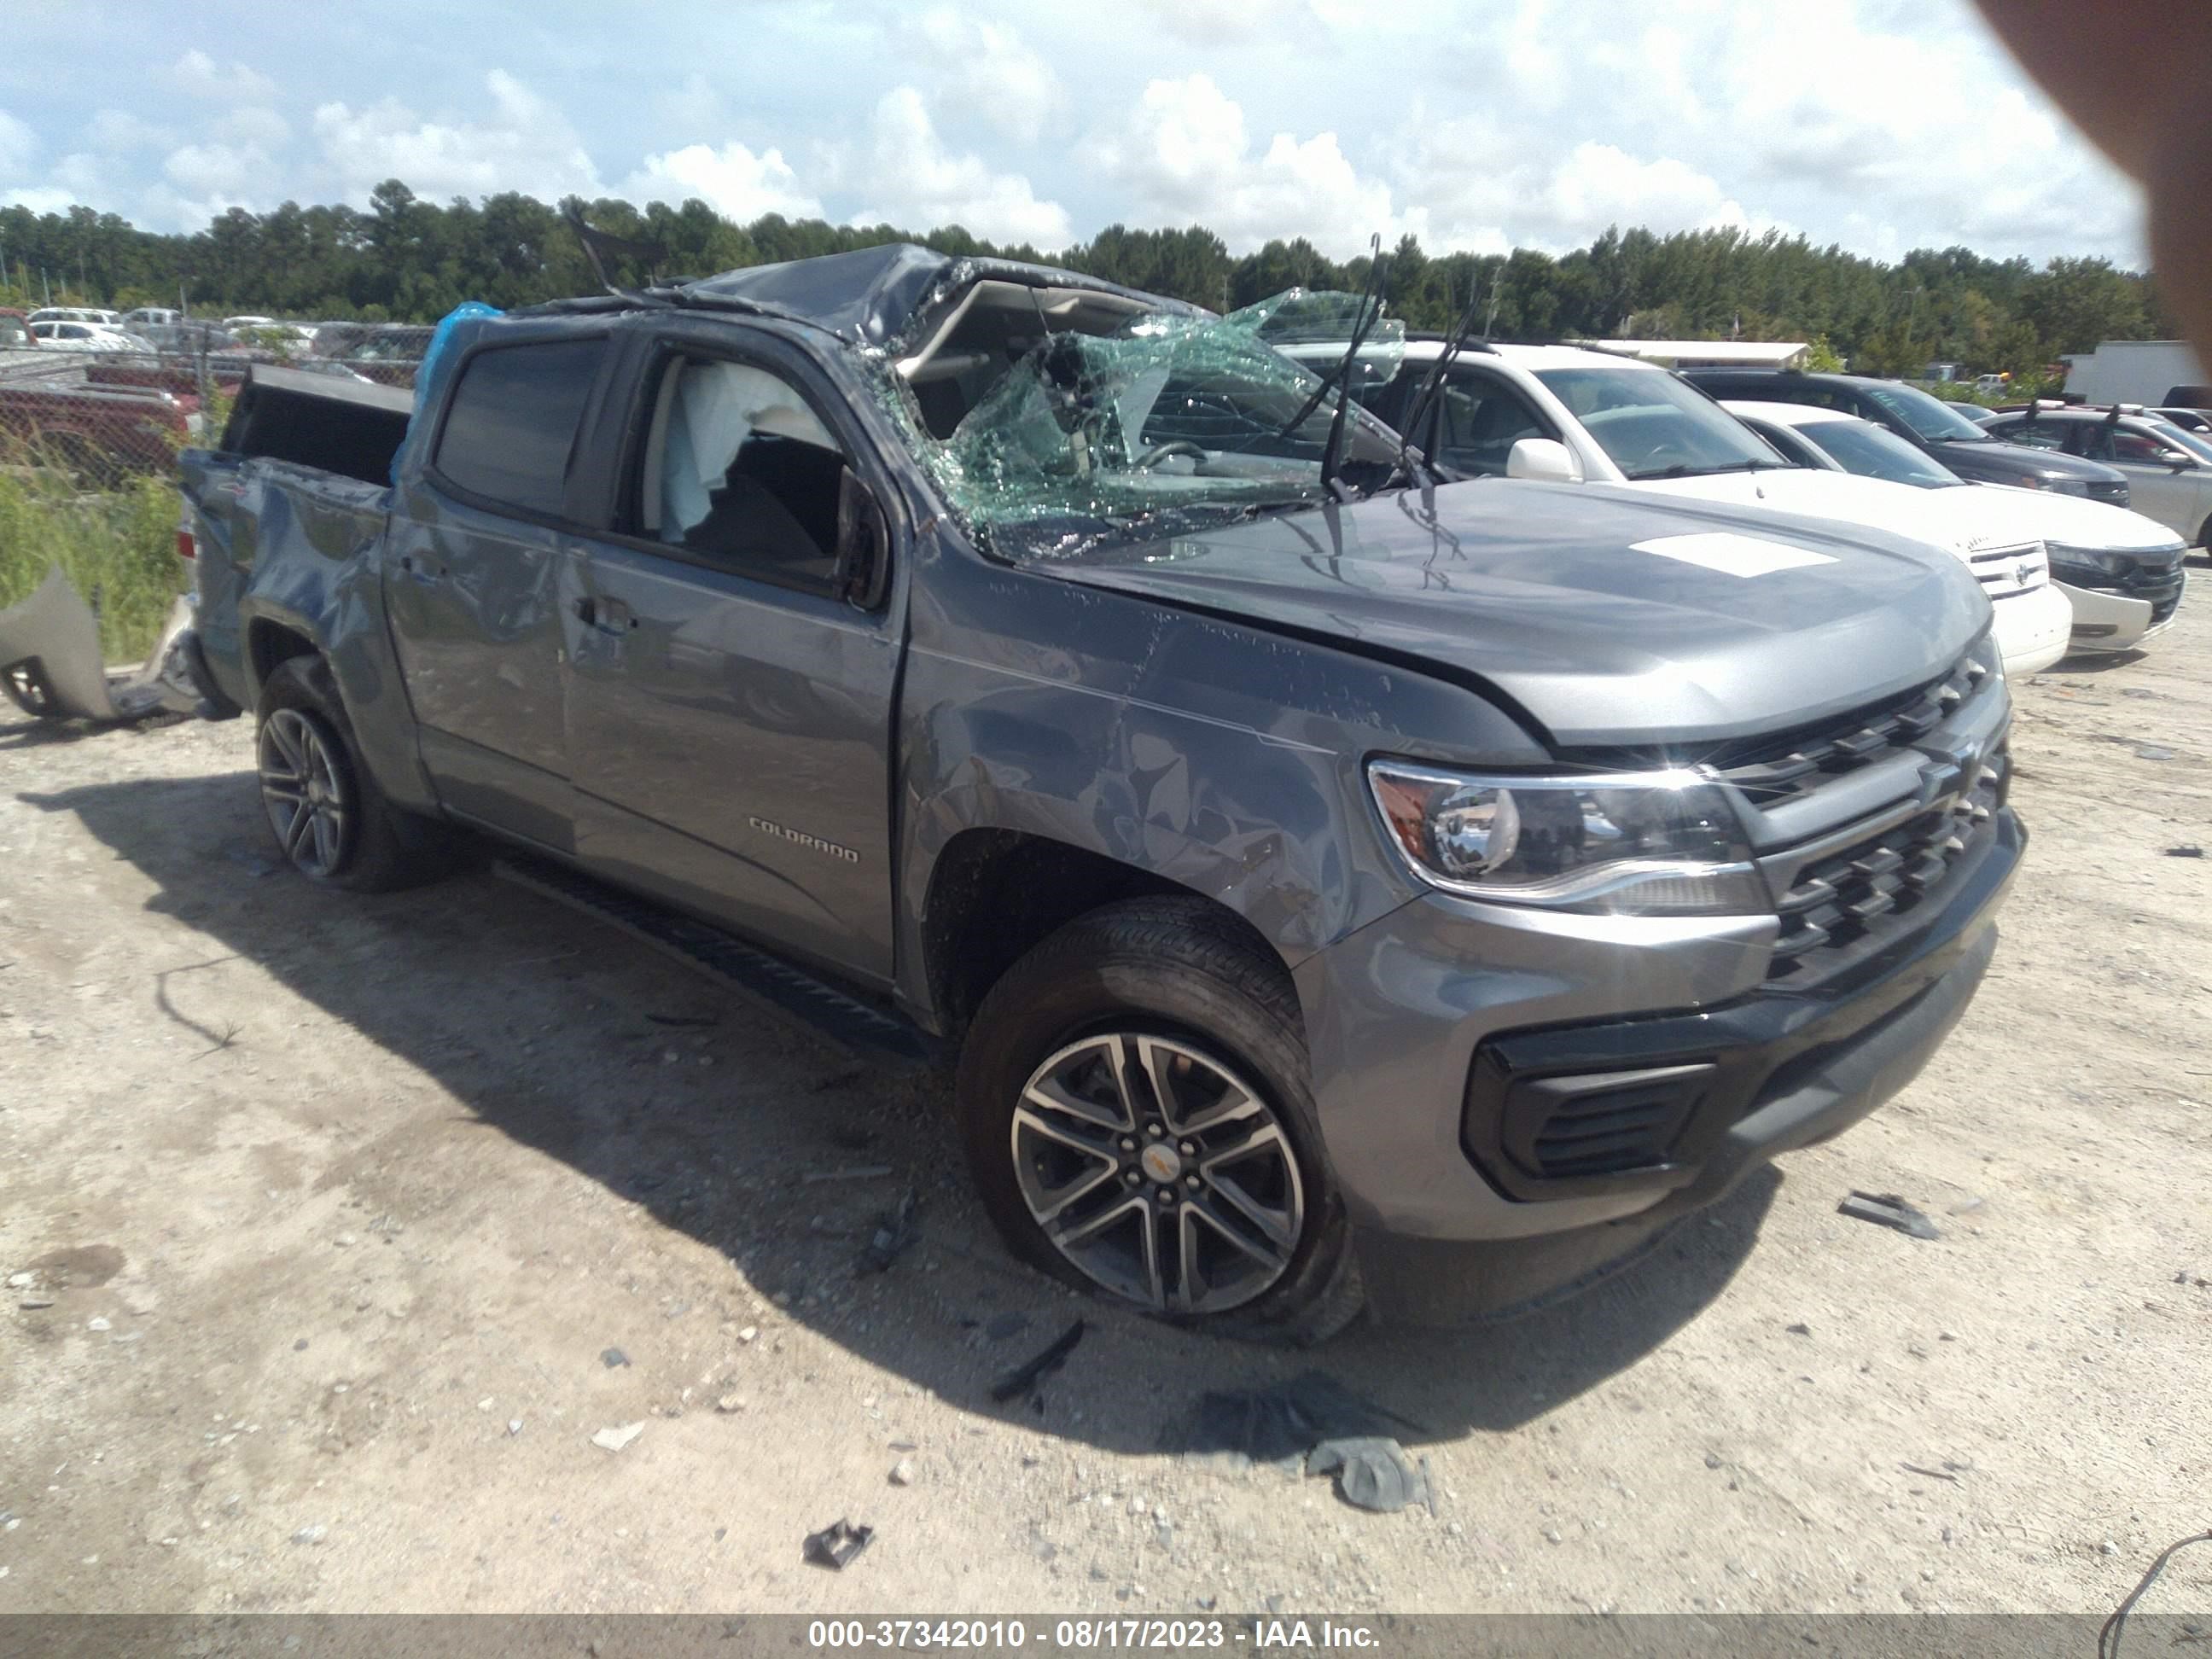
1602	615
1875	503
1998	462
2070	521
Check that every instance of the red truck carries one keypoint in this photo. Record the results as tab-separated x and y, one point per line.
101	434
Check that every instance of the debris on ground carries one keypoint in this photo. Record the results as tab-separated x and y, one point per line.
1281	1423
1933	1474
1371	1473
2157	751
896	1232
2189	850
611	1357
615	1439
1799	1329
1887	1210
836	1544
903	1472
1024	1377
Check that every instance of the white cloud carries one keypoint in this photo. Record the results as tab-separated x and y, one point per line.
40	198
118	132
986	67
1185	156
263	129
520	142
217	171
732	181
18	144
908	177
198	76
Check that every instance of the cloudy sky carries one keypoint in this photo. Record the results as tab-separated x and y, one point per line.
1882	124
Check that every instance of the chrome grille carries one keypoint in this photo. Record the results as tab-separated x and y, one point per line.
1773	771
2005	572
1841	907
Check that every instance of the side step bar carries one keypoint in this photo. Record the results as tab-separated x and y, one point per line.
873	1032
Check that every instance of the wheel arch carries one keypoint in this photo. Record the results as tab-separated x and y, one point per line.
995	893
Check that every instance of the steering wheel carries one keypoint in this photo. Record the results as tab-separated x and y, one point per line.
1173	446
1667	453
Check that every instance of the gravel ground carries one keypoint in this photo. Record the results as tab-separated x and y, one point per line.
336	1230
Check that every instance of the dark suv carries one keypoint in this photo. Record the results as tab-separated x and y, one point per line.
1940	429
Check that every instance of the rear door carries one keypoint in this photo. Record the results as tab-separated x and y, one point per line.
473	584
728	713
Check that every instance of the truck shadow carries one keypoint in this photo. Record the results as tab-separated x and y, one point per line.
712	1115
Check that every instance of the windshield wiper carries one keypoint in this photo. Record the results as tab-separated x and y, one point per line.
1411	461
1372	299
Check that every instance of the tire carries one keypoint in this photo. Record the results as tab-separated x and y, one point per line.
330	820
1251	1238
27	687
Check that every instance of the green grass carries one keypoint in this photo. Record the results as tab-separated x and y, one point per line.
118	546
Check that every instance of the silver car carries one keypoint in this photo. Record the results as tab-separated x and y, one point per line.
2169	471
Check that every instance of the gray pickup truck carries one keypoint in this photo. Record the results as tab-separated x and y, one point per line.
1337	890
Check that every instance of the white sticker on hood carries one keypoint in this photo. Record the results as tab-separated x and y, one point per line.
1730	554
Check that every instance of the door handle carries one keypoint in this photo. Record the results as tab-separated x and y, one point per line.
607	615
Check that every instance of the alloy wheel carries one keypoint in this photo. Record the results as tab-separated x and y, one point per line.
303	791
1159	1173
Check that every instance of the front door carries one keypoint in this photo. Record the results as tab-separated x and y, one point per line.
2166	482
728	715
473	578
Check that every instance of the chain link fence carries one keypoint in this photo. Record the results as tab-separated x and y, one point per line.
93	412
104	403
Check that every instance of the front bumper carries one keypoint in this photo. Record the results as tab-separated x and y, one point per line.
2109	619
2032	630
1450	1226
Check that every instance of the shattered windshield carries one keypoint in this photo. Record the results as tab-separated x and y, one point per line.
1161	422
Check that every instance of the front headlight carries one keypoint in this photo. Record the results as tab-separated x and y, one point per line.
2067	486
2110	563
1646	843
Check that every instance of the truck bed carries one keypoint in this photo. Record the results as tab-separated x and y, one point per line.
351	428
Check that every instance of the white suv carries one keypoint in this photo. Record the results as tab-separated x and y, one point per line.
1561	413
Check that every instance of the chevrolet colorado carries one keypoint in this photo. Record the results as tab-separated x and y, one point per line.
1338	890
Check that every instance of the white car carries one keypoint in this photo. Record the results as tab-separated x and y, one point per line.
1571	415
2119	570
2169	471
86	337
74	314
152	317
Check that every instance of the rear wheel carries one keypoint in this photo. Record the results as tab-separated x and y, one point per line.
329	817
1133	1097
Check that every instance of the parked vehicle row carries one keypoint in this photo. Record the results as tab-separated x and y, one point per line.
1337	884
1573	415
2120	572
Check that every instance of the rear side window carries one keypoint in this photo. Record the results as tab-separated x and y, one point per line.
513	421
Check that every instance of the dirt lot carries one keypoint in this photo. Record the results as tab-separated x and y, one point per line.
332	1208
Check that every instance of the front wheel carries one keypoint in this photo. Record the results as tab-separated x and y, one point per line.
1133	1097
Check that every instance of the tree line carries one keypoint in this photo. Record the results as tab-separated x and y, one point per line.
406	259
